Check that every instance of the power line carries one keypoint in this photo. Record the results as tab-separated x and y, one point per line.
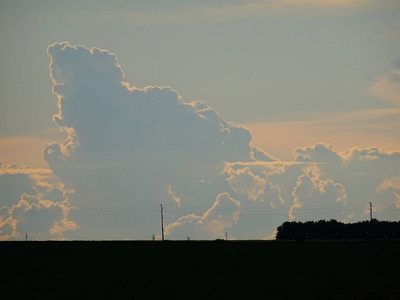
194	209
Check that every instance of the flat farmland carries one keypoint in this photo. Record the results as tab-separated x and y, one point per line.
366	269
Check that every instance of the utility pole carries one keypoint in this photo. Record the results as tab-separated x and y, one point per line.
26	237
162	223
226	236
370	211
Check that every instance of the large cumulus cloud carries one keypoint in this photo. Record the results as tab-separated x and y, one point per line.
128	150
130	146
102	113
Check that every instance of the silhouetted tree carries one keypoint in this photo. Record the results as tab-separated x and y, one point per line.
333	229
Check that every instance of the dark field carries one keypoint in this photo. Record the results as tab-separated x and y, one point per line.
200	270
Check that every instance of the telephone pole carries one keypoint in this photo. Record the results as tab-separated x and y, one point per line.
162	223
370	211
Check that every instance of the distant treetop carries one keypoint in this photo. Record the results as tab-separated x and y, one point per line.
333	229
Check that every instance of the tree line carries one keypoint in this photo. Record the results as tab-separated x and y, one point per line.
333	229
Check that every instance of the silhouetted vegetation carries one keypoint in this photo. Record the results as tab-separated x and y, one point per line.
337	230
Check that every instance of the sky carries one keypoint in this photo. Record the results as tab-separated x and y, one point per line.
235	115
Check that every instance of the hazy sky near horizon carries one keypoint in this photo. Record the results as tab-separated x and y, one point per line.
281	81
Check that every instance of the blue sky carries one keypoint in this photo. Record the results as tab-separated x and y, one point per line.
294	74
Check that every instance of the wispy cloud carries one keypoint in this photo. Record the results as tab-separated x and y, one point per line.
387	87
333	3
223	214
208	12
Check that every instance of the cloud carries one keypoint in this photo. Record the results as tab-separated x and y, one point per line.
133	144
212	223
246	183
33	202
205	12
318	153
101	112
312	191
345	130
387	87
361	172
390	191
320	183
345	3
174	196
130	149
14	149
262	8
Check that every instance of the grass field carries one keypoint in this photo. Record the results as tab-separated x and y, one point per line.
200	270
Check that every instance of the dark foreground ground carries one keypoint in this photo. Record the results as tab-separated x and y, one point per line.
200	270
